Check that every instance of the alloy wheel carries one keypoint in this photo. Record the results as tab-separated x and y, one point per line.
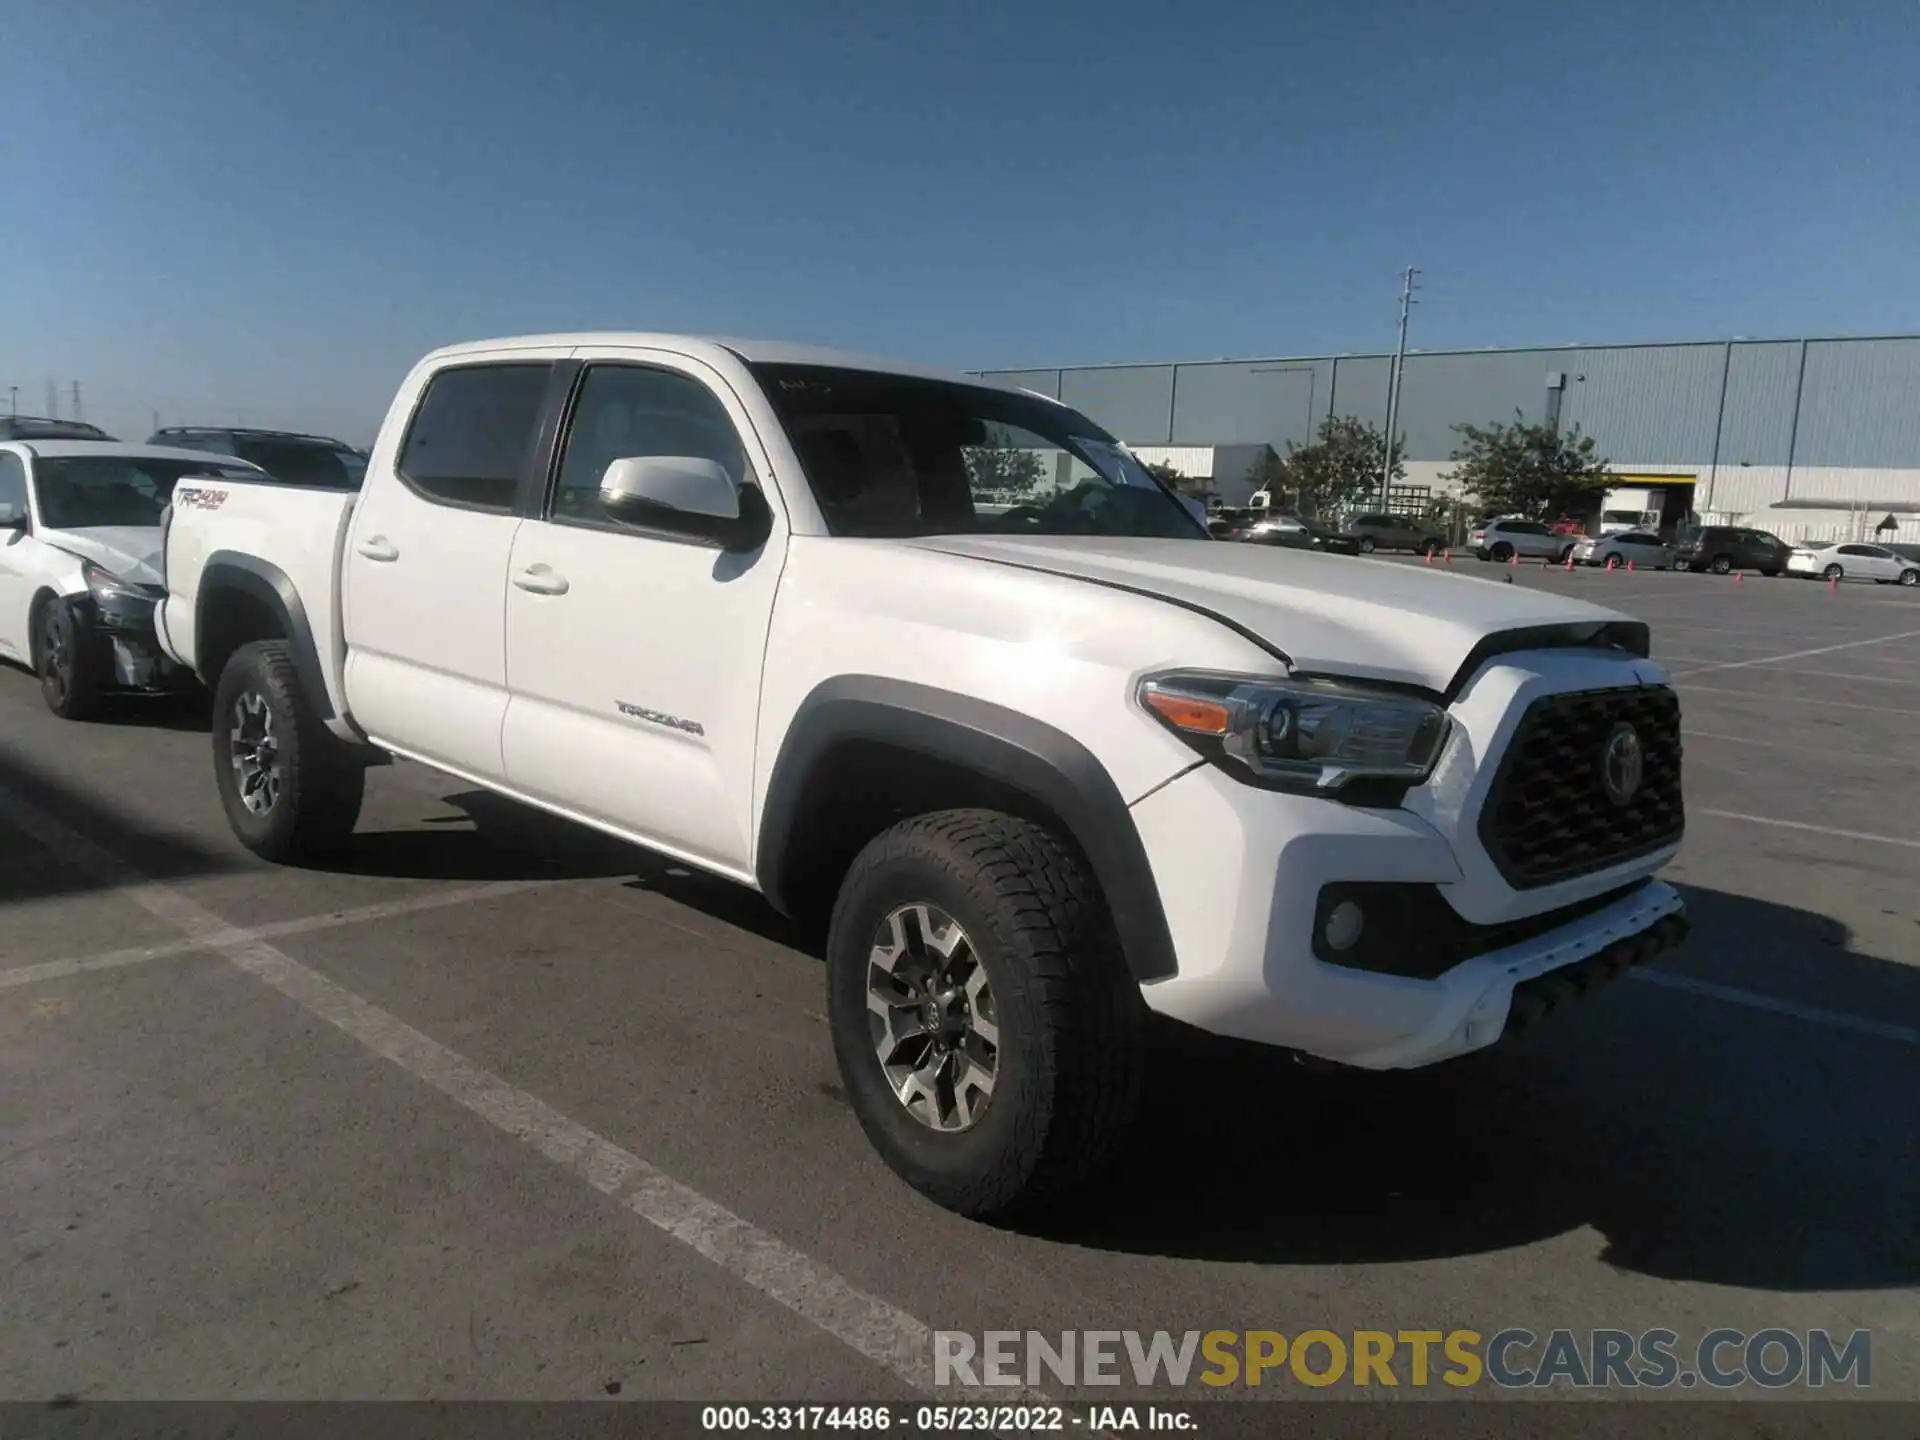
932	1018
255	752
56	657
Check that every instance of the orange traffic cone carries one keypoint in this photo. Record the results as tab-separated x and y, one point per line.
1514	558
1429	557
1738	578
1569	562
1833	584
1447	556
1629	564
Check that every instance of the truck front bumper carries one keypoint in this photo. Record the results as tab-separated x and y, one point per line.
1242	886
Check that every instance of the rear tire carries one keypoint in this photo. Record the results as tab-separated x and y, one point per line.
1028	945
1503	553
1770	574
1430	549
1366	544
67	661
1833	573
291	789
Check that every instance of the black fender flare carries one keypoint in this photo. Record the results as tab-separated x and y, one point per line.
1012	750
268	584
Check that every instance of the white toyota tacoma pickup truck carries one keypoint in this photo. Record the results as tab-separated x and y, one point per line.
939	662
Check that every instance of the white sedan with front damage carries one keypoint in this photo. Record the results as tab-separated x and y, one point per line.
80	563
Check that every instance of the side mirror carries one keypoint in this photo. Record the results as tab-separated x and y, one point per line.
12	518
636	489
688	495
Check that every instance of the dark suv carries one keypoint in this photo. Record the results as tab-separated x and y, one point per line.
1726	548
1375	531
316	461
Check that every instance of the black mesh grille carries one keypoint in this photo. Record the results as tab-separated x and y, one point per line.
1549	815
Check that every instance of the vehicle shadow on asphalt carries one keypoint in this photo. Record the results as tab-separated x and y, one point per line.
1703	1140
492	838
30	871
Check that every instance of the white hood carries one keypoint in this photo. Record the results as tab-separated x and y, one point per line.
130	551
1329	614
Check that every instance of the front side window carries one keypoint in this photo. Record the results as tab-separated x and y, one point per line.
78	491
893	455
470	436
632	412
13	487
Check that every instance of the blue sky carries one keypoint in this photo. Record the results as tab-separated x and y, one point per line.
269	210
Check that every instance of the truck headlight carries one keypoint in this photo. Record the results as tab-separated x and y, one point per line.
1312	736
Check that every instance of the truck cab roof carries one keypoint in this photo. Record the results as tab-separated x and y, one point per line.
711	347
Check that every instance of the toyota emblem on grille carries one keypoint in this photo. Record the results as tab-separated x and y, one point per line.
1621	764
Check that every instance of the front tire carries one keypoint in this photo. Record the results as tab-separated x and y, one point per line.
1909	579
66	660
1430	549
1722	565
291	790
1833	573
989	1036
1366	544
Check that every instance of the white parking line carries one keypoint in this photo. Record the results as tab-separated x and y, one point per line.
1801	750
1902	1034
1794	699
1803	825
1799	672
140	954
881	1332
1802	654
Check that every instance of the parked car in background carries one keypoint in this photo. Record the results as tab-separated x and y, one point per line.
1293	533
1854	560
80	567
1640	548
1726	548
1376	531
1507	537
317	461
32	427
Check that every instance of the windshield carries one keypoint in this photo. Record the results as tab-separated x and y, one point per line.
79	491
890	456
1621	517
305	462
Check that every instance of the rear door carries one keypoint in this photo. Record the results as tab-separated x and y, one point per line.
424	577
634	655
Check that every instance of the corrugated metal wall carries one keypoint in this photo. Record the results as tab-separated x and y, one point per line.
1858	404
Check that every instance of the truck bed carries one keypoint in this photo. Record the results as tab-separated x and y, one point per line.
288	537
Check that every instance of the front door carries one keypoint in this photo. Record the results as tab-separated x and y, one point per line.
425	569
17	548
634	655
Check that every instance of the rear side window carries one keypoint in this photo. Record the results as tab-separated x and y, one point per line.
470	436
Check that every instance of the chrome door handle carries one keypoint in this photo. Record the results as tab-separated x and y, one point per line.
378	547
541	580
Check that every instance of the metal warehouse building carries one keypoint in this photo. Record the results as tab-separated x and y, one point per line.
1814	438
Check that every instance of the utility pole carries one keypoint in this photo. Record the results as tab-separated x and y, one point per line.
76	399
13	399
1393	382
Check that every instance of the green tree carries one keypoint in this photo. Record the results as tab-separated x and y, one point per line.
1529	470
997	467
1178	482
1341	467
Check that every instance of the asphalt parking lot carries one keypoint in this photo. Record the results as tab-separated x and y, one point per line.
500	1108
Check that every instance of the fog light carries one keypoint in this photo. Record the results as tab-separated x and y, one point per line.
1344	924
